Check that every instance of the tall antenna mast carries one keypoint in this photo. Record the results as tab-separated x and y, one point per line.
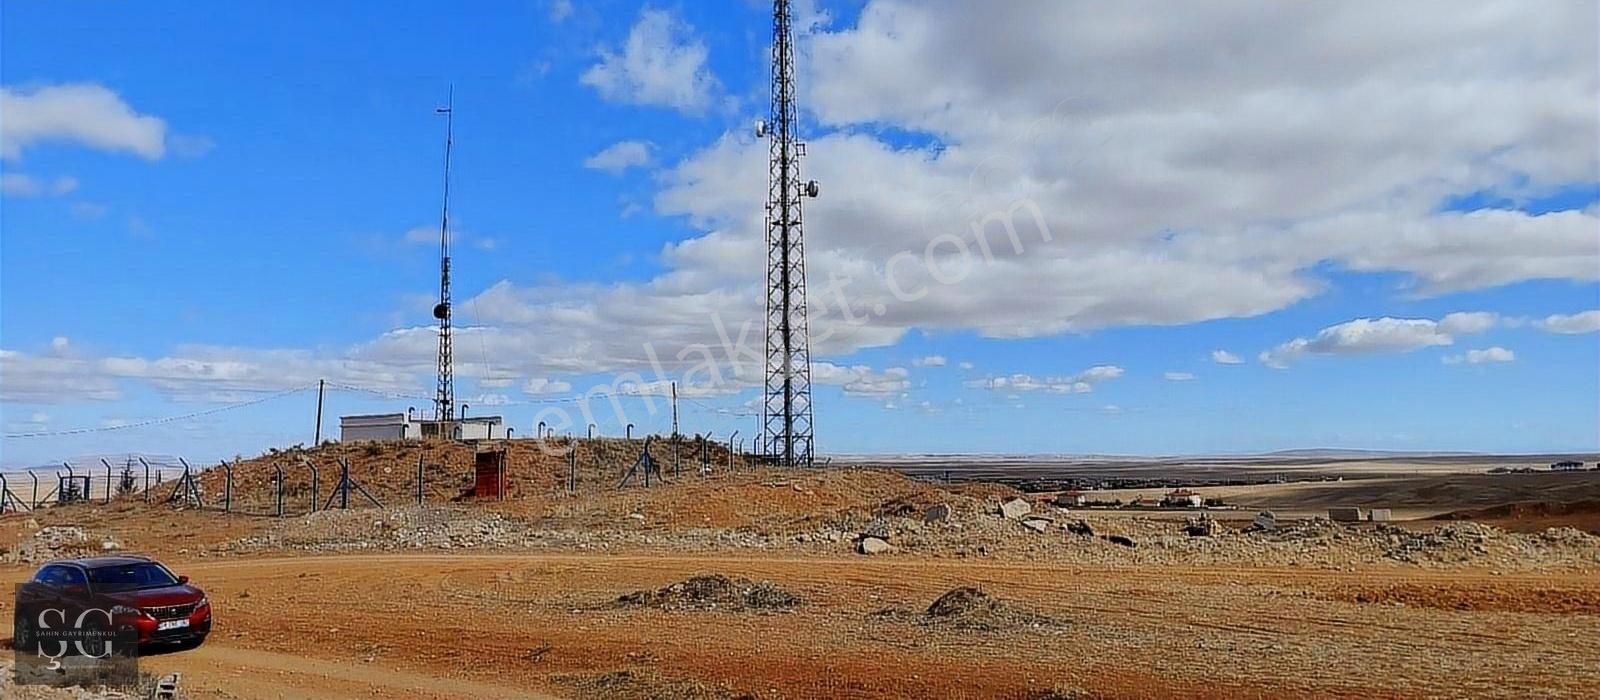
786	410
444	394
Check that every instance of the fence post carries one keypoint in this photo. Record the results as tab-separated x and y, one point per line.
108	480
72	478
279	467
419	479
33	498
227	488
572	467
316	483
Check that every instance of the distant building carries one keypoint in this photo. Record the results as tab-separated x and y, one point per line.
1566	466
383	427
1183	498
1068	499
1346	514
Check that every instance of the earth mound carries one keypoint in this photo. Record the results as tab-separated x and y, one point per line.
712	592
968	607
1533	516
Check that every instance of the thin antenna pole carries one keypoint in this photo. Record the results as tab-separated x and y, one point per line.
444	397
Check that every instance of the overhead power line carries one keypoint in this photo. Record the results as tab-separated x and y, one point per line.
158	421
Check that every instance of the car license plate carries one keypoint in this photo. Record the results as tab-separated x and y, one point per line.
172	625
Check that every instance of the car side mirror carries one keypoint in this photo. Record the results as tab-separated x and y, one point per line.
183	579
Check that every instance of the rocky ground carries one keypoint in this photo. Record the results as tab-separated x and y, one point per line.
10	690
767	584
1057	535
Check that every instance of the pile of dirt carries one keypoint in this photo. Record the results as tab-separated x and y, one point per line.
714	592
1533	516
968	607
388	470
642	685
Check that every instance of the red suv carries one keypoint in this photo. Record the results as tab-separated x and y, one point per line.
137	593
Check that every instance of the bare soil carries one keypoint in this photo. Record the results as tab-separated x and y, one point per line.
746	585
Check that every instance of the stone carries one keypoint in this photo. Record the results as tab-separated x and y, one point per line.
1121	540
110	546
1265	520
1015	508
937	513
1202	526
879	528
873	545
1080	528
1380	515
1036	524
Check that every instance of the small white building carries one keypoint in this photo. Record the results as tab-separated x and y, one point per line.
400	426
1183	498
378	427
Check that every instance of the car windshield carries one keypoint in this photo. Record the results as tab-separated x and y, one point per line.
127	577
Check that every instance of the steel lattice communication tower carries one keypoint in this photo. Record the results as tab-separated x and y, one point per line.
786	410
444	394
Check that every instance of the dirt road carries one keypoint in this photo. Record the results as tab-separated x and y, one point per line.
541	625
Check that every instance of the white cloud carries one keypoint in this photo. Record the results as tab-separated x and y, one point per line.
1080	383
1468	322
1178	376
88	211
539	386
967	366
929	361
24	185
861	380
1582	322
487	400
82	113
560	10
620	156
191	145
429	236
1223	357
1497	99
1379	335
661	63
1475	357
193	373
421	235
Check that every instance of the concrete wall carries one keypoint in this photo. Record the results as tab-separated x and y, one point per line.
372	432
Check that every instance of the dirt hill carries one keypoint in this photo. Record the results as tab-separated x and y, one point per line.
388	470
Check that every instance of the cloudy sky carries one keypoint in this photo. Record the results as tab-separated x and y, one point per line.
1046	226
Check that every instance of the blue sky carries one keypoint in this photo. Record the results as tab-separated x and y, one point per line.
1393	233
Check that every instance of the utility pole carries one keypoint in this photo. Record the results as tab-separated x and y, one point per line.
318	439
786	408
675	457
